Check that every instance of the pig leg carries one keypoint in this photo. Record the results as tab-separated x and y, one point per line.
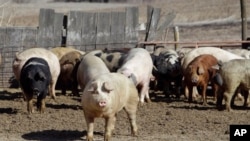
178	82
186	92
219	99
228	98
166	88
90	127
42	106
52	87
74	89
245	94
190	96
215	88
109	127
204	97
29	103
194	92
131	112
144	93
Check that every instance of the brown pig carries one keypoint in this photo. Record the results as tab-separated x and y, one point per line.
60	51
69	63
198	73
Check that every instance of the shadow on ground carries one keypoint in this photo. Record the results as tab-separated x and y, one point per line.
55	135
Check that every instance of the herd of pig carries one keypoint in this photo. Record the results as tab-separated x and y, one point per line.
111	80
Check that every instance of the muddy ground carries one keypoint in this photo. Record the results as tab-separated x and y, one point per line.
161	120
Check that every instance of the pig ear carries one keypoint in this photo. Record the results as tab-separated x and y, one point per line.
17	57
41	76
200	70
107	86
93	87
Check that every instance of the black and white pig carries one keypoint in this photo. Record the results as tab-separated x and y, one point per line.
167	70
35	78
112	59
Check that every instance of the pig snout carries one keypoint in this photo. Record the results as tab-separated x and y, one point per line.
101	100
36	91
194	79
102	103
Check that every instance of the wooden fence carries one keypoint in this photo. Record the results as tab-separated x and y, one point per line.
85	31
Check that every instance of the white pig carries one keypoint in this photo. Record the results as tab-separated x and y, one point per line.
104	96
138	66
90	67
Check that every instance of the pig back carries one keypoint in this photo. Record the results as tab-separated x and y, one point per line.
201	66
219	54
61	51
89	67
23	56
139	62
236	70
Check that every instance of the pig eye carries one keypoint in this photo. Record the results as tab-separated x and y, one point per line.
94	92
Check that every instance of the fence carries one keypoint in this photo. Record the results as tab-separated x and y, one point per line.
85	31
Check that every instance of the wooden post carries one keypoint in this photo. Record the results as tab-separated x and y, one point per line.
103	30
176	36
74	27
46	28
243	23
89	31
132	20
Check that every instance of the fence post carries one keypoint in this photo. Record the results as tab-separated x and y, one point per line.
243	23
58	29
117	29
89	30
74	27
46	28
103	30
132	20
176	36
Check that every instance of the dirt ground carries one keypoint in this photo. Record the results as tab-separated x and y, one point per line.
161	120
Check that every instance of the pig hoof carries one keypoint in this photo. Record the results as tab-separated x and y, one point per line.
141	104
134	133
204	104
148	100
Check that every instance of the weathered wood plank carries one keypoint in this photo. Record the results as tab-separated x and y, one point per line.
13	36
58	29
117	31
46	28
131	34
154	23
103	30
29	37
163	24
2	36
74	28
88	31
